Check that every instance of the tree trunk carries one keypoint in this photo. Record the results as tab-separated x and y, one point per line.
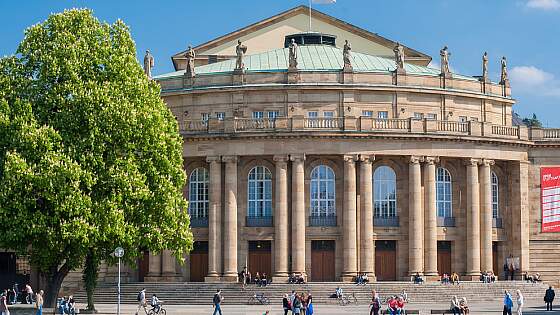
54	282
90	275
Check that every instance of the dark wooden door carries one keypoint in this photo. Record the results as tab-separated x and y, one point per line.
199	261
260	258
444	257
143	266
322	261
495	258
386	260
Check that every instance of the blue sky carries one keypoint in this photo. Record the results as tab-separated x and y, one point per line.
526	31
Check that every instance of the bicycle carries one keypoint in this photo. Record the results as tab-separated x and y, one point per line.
259	298
344	300
153	310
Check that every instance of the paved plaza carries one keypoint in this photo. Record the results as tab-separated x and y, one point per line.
532	308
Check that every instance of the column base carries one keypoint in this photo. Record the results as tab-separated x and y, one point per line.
431	278
347	278
280	279
171	278
471	277
229	278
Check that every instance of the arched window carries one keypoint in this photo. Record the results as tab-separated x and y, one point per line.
198	193
444	197
495	191
322	191
385	192
259	192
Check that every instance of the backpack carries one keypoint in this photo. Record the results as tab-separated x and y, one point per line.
139	297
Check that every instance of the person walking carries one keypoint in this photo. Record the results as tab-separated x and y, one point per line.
4	303
520	302
39	302
310	310
375	304
508	303
286	303
217	301
141	298
296	306
549	298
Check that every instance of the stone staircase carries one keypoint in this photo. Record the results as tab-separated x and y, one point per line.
201	293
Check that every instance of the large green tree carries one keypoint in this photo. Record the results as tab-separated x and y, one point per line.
90	156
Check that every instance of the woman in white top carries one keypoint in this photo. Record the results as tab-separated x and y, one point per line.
520	303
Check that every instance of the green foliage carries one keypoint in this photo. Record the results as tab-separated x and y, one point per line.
533	121
90	156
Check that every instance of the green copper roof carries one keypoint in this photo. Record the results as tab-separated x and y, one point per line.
310	58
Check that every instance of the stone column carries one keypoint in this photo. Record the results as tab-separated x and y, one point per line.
230	220
415	224
349	219
169	272
486	216
367	251
298	213
519	239
473	221
214	220
154	269
281	223
430	220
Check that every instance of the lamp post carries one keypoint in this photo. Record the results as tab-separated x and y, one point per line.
119	252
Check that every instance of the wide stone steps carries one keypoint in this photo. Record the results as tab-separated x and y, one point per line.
201	293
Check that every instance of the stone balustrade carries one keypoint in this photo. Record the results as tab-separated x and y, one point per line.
367	125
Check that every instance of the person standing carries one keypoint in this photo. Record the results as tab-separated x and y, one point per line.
375	305
549	298
520	302
286	304
141	298
296	306
39	302
309	305
29	294
217	301
4	303
508	304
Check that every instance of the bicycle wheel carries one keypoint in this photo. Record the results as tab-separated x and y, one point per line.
251	300
266	301
151	312
162	311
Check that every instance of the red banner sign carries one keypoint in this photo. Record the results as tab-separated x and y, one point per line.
550	199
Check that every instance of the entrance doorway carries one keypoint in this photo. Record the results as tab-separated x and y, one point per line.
444	257
322	261
495	258
386	260
259	259
143	265
199	261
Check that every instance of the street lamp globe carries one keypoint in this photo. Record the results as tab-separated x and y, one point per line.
119	252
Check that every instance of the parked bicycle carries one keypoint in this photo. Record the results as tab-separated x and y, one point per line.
258	298
344	299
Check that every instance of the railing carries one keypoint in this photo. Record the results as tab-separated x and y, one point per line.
452	126
315	220
254	124
445	221
386	221
259	221
323	123
368	125
497	223
505	131
197	222
396	124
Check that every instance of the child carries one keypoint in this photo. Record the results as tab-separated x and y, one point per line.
156	303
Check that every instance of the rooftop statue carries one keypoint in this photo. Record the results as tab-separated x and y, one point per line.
148	64
240	51
347	55
485	66
190	54
399	56
444	53
504	76
293	55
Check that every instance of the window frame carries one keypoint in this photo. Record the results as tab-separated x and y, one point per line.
256	114
380	114
324	203
259	192
495	183
196	186
384	206
444	184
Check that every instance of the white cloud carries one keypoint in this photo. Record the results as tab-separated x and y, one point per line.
530	76
544	4
532	80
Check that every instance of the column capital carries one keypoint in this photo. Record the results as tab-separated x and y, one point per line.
350	158
473	162
415	159
431	159
366	158
280	158
212	159
230	158
298	157
487	162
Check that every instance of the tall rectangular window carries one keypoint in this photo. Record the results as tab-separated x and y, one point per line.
258	115
204	117
383	115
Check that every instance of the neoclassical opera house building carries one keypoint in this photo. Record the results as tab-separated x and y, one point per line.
346	162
